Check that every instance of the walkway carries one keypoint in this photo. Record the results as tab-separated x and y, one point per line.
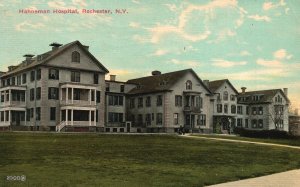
284	179
242	141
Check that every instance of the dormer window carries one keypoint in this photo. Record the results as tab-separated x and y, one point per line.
188	85
75	57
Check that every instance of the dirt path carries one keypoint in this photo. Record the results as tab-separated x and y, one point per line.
284	179
242	141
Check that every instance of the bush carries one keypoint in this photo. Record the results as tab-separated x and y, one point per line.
274	134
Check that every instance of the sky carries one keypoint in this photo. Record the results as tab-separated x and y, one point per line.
254	43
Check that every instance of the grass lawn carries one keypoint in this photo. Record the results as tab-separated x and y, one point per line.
49	159
293	142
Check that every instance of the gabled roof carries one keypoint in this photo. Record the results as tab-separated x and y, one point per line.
215	85
160	83
50	55
266	96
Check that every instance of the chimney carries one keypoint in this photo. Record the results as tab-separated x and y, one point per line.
113	77
154	73
285	90
243	89
28	58
55	46
10	68
296	111
206	82
86	47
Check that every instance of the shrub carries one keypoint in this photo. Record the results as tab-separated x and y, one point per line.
275	134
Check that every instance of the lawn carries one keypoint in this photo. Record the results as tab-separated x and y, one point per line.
293	142
49	159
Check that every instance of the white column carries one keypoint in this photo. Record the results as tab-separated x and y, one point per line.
90	96
9	116
66	117
60	116
90	117
72	117
72	96
25	117
67	95
94	117
9	96
60	93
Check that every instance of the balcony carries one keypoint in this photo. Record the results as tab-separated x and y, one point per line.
79	103
192	109
21	104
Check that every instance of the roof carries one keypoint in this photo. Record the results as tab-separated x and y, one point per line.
160	83
215	85
50	55
266	96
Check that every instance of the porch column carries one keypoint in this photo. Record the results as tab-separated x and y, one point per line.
90	96
60	93
25	117
9	116
9	96
72	96
67	94
94	117
60	116
72	117
4	112
90	117
66	116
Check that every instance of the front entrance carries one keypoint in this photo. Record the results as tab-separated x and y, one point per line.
189	121
223	124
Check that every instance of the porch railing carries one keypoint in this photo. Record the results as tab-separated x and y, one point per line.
60	126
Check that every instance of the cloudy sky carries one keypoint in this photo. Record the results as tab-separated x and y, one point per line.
253	43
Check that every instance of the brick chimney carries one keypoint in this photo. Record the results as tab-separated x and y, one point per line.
154	73
113	77
243	89
28	58
55	46
285	90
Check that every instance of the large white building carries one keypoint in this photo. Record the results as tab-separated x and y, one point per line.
64	90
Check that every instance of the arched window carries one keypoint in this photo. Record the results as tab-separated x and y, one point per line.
75	56
225	96
188	85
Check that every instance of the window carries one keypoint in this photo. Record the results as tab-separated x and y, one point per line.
2	115
96	78
140	102
53	93
175	117
201	120
38	113
140	119
115	100
98	97
19	80
178	100
254	110
254	123
107	87
226	108
225	96
159	100
240	109
38	93
31	94
24	78
75	56
260	110
132	103
148	101
159	119
189	85
233	109
198	102
115	117
8	82
148	119
260	123
53	74
38	74
3	83
32	76
219	108
122	88
247	110
240	122
75	76
246	123
13	81
31	112
232	97
27	114
76	94
52	113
